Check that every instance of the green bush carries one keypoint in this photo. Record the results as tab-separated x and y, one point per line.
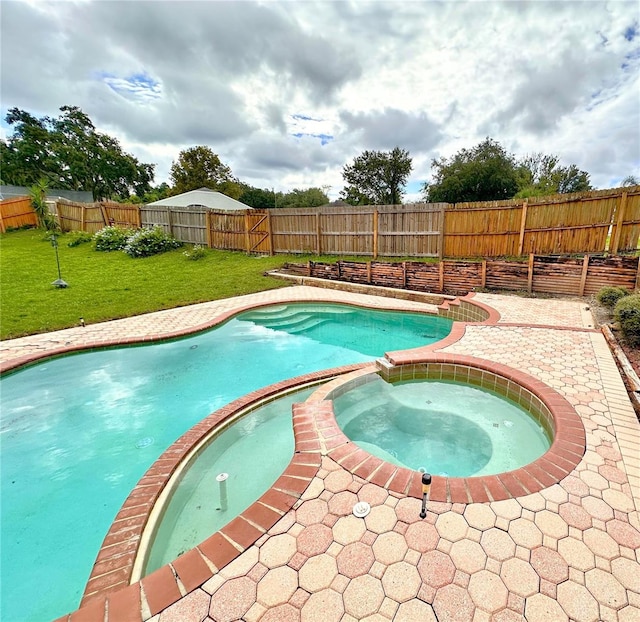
627	314
197	251
112	238
147	242
79	237
609	296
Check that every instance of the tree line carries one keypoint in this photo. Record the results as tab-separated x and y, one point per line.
68	152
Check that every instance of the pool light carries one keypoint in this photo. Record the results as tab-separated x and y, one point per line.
426	485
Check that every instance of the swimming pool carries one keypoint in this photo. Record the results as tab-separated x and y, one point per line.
78	432
448	428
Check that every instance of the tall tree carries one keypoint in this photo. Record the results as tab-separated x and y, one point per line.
311	197
376	177
69	153
199	167
484	173
258	198
540	175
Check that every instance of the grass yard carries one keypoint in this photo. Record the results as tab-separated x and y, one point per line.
105	286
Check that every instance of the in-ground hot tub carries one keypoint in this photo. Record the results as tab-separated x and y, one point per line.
446	427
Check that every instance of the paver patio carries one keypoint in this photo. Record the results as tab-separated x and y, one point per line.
568	552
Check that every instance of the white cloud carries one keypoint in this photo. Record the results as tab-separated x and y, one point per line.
287	93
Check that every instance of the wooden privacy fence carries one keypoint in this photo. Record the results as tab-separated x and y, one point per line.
92	217
549	275
15	213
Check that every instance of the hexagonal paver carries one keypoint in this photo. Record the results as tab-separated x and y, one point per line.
363	596
575	516
408	510
508	509
193	606
323	606
401	582
314	540
311	512
468	556
597	508
233	599
577	554
623	533
355	559
556	494
372	494
535	502
550	565
342	503
480	516
525	533
277	586
414	610
436	569
281	613
551	524
605	588
519	577
422	537
278	550
337	481
317	573
241	565
601	543
577	602
618	500
453	604
541	608
348	529
627	573
451	526
389	548
488	591
381	518
498	544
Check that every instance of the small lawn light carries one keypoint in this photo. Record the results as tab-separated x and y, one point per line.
426	485
58	282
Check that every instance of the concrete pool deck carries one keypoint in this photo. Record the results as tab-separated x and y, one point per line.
568	552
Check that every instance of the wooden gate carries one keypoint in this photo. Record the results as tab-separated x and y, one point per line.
257	225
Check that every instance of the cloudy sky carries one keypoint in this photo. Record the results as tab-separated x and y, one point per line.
288	92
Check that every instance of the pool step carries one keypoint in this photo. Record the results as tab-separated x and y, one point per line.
293	320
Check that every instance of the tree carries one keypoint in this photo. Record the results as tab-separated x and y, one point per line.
540	175
69	153
311	197
258	198
630	180
484	173
198	167
376	177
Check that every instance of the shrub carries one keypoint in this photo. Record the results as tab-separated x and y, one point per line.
111	238
147	242
79	237
627	314
609	296
197	251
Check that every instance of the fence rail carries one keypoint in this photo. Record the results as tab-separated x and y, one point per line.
603	221
546	275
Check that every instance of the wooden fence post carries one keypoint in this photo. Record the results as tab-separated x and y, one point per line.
583	276
270	232
484	274
375	233
441	236
170	220
247	240
369	272
2	227
404	275
83	218
139	216
207	221
318	234
441	275
615	238
530	273
523	224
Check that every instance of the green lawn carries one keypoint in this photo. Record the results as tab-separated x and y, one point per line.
105	286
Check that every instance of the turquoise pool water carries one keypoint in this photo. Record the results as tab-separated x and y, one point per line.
447	428
253	452
78	432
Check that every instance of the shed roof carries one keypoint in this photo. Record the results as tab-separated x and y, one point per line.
204	197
